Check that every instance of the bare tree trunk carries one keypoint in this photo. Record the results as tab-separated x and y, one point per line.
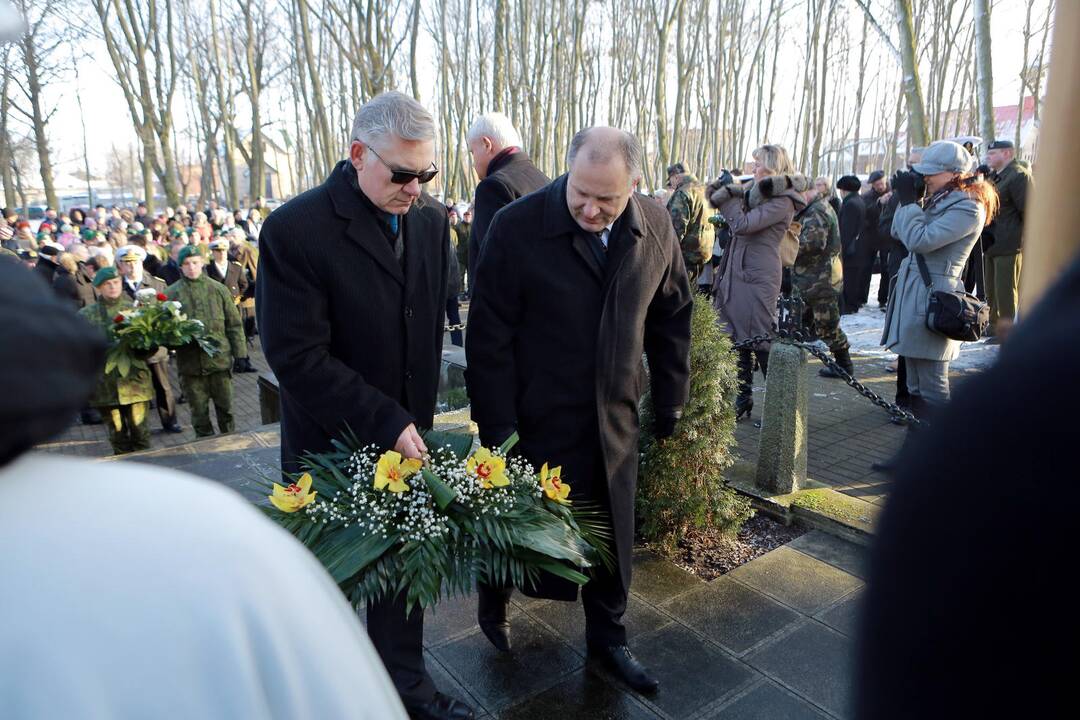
859	94
910	81
6	158
41	140
984	70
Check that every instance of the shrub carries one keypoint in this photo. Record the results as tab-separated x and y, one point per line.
681	480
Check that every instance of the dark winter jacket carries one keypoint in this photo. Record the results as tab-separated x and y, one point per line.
1012	184
509	177
852	217
556	334
354	340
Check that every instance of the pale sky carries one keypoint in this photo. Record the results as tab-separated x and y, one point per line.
108	120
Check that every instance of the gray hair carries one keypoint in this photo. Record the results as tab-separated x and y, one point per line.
625	144
392	113
496	126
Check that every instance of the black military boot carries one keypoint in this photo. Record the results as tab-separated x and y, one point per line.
744	401
843	359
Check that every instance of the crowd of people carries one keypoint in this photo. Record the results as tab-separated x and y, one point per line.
780	233
97	261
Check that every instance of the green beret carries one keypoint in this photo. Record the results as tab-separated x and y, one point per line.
106	273
186	252
88	234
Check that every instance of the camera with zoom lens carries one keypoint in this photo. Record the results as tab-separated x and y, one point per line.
919	181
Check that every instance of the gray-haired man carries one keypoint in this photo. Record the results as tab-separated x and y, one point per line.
351	301
505	171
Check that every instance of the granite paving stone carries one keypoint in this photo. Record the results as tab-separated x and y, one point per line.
657	580
814	661
767	701
837	552
796	579
844	616
539	661
734	615
583	695
568	620
692	672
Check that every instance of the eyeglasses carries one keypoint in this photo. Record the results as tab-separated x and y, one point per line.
404	177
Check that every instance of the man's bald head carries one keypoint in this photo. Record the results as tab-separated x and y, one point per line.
601	145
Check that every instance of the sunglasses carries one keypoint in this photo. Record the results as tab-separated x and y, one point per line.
404	177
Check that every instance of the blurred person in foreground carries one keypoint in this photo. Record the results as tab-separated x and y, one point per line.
149	592
757	214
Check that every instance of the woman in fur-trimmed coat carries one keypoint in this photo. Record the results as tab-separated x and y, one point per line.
748	283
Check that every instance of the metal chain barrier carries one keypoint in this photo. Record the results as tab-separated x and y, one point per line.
790	331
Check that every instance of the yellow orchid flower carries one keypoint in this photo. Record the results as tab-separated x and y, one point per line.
391	471
554	487
490	469
292	498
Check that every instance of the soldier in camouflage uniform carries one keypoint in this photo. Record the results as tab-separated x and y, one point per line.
690	219
204	378
122	401
818	277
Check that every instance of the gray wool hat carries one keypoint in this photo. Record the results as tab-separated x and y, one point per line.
944	156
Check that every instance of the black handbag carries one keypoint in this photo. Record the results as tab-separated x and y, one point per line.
956	314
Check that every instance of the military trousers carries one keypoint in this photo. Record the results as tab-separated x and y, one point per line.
1002	285
200	390
163	393
127	427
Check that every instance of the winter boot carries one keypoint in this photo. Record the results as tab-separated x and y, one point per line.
744	401
843	359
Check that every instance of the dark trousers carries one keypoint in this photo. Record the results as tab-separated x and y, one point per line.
973	275
164	397
399	640
881	257
453	317
849	298
902	394
604	601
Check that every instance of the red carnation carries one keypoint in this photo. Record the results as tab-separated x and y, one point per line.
162	297
118	319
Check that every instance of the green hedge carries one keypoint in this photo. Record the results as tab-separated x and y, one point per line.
681	480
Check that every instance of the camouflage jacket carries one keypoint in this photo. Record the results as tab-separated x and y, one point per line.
209	301
113	390
818	270
691	221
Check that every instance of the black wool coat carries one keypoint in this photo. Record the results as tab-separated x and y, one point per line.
852	217
508	178
354	339
555	344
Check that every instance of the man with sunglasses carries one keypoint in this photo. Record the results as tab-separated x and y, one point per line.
351	301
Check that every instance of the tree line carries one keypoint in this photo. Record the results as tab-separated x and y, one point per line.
840	83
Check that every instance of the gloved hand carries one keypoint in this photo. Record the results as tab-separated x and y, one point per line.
903	184
664	425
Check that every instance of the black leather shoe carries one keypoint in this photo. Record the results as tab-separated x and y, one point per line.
491	614
174	428
622	663
441	707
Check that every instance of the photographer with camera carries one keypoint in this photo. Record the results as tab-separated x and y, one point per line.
758	215
940	224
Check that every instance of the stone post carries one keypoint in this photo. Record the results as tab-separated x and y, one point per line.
782	449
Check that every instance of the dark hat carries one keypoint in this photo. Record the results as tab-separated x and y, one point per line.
51	357
1000	145
50	250
676	169
28	254
875	176
8	212
106	273
186	252
849	183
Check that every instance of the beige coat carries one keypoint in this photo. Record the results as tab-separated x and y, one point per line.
748	283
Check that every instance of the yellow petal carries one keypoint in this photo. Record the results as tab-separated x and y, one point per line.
305	482
283	505
543	474
411	467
